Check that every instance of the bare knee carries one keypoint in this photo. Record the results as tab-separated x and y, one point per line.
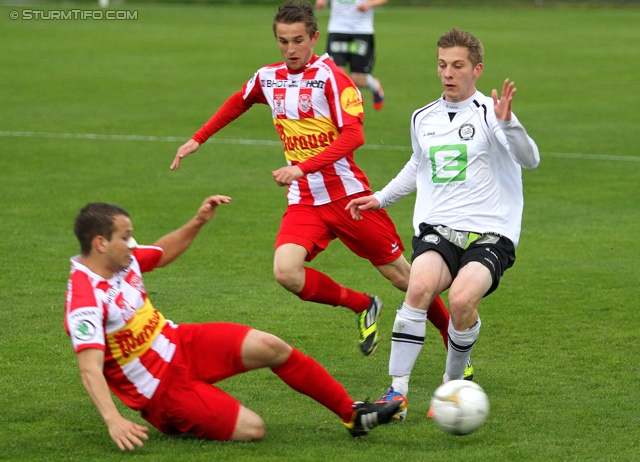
249	426
463	309
290	279
262	349
288	267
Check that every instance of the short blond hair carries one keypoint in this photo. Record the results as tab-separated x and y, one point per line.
460	38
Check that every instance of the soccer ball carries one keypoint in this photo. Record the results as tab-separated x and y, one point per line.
460	407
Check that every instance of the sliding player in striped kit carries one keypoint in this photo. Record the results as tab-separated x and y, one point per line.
167	370
468	152
317	111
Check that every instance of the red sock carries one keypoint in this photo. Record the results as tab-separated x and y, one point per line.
305	375
439	317
320	288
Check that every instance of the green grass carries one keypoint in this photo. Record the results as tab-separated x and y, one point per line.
558	352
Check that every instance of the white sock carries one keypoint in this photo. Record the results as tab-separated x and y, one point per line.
372	84
460	346
406	342
401	384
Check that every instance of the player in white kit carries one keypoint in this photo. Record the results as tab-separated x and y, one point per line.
351	42
468	151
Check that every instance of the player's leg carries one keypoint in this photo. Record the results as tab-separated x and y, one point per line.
465	294
303	235
362	60
373	238
397	272
481	266
187	402
429	276
305	375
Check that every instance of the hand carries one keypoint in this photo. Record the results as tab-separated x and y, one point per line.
183	151
209	206
284	176
362	203
320	4
502	107
126	433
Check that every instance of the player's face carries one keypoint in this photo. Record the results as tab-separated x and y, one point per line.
295	44
117	250
457	74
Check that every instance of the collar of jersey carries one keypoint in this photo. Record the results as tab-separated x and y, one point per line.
457	107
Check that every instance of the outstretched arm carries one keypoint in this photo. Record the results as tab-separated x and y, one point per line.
176	242
124	432
233	108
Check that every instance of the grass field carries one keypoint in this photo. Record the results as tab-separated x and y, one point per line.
95	110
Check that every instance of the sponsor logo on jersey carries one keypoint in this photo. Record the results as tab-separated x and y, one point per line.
466	132
448	163
301	141
304	103
268	83
136	337
350	101
85	331
278	104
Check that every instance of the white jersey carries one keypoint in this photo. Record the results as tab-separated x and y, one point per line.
347	19
466	168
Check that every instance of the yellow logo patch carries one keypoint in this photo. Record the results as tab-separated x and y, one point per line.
350	102
134	339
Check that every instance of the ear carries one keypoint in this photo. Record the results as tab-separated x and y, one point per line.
315	38
477	72
100	244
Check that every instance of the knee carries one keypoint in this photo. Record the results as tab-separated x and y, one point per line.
463	310
275	351
290	279
250	427
420	295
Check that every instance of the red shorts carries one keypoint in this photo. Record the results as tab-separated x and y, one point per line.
373	238
186	401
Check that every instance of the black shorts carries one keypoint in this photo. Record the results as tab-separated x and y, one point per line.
497	253
357	51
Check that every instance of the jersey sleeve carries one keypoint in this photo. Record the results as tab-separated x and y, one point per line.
236	105
344	98
521	146
84	315
148	257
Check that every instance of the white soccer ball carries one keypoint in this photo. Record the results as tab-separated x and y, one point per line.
460	407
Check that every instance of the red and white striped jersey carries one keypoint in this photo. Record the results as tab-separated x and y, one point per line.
116	316
309	109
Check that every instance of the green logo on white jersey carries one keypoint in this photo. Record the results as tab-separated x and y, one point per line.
448	163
